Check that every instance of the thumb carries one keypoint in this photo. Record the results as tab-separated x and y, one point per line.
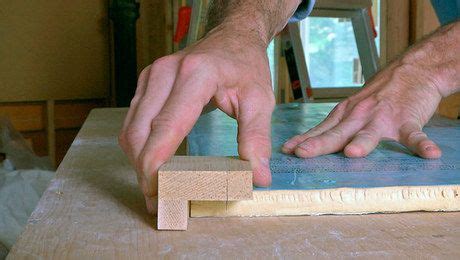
254	130
412	137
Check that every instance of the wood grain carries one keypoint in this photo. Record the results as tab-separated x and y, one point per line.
396	33
172	214
51	131
94	209
203	178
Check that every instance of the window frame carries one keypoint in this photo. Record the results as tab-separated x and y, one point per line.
393	24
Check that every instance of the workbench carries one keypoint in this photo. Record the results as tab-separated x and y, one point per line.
94	209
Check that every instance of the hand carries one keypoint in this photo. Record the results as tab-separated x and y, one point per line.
230	71
394	105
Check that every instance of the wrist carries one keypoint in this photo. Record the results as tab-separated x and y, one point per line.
447	79
436	59
245	37
260	21
416	77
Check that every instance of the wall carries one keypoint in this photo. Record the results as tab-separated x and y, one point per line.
54	67
54	50
55	63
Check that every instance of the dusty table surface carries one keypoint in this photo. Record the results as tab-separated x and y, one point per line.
94	209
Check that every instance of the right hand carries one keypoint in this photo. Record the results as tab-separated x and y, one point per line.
227	69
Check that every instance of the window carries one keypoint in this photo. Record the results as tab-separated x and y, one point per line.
331	53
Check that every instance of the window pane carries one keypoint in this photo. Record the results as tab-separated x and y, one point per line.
331	53
271	61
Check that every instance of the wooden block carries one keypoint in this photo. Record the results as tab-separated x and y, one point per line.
172	214
187	178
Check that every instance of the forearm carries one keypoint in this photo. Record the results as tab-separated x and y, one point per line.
437	57
258	19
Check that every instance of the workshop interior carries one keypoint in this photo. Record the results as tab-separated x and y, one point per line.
61	60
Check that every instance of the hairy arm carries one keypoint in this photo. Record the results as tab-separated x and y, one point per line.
437	57
260	19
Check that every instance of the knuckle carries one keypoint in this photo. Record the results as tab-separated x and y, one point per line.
255	136
145	72
338	110
134	101
299	138
416	135
311	143
163	62
128	137
363	107
336	133
368	134
168	124
148	163
342	105
191	62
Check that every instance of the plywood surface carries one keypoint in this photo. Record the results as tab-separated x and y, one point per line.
390	179
94	209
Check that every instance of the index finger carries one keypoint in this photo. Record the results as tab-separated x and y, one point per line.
254	131
169	128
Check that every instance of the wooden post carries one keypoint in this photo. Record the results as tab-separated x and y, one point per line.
51	131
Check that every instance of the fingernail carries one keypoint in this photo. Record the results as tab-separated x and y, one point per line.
430	148
264	163
152	204
289	144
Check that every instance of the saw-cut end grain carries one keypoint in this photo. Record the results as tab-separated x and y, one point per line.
186	178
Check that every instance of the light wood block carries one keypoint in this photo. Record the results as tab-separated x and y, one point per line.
186	178
173	214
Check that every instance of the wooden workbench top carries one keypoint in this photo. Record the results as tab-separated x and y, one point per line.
94	209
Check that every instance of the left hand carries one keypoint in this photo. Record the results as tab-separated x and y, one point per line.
394	105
